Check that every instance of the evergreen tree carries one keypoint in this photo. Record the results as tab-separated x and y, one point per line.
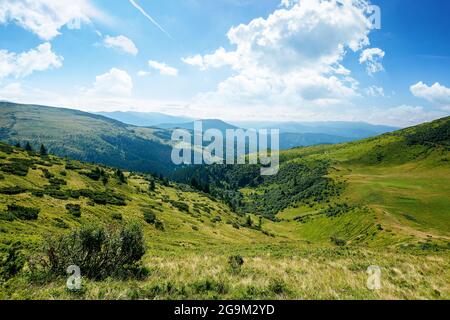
18	145
152	186
120	176
28	147
43	151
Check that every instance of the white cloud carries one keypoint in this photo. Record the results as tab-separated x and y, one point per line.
163	68
375	91
122	43
401	116
437	93
372	58
23	64
45	18
142	73
115	82
292	58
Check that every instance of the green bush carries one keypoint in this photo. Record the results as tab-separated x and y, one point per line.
107	197
180	206
74	210
338	241
149	217
99	252
12	262
159	225
236	262
23	213
117	216
18	167
12	190
38	193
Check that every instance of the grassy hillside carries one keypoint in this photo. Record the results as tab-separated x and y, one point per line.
332	212
86	137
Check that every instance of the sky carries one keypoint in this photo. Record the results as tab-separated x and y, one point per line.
283	60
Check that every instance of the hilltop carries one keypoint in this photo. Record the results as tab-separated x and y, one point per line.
87	137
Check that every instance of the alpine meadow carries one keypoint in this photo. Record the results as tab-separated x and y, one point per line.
353	94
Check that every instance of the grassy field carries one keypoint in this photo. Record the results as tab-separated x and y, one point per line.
396	216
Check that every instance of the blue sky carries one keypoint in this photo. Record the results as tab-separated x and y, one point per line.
180	57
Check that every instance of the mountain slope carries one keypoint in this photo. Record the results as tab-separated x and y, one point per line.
87	137
402	178
314	249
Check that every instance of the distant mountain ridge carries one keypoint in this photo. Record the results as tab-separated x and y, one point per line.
144	119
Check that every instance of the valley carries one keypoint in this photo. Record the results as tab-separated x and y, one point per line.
224	232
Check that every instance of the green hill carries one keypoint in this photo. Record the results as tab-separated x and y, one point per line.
86	137
310	232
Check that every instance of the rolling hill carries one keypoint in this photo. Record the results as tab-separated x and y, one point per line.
310	232
87	137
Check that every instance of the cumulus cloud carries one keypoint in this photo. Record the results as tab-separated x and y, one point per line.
163	68
373	59
45	18
23	64
115	82
121	43
293	57
436	93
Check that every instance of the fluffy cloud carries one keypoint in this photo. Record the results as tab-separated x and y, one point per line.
121	43
23	64
163	68
372	58
46	17
115	82
437	93
293	57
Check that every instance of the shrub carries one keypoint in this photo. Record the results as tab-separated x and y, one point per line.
216	219
38	193
54	192
59	223
12	190
74	210
159	225
277	286
338	241
236	262
12	262
47	174
2	177
99	252
117	216
149	217
18	167
107	197
180	206
23	213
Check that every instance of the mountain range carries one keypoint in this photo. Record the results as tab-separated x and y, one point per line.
97	138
